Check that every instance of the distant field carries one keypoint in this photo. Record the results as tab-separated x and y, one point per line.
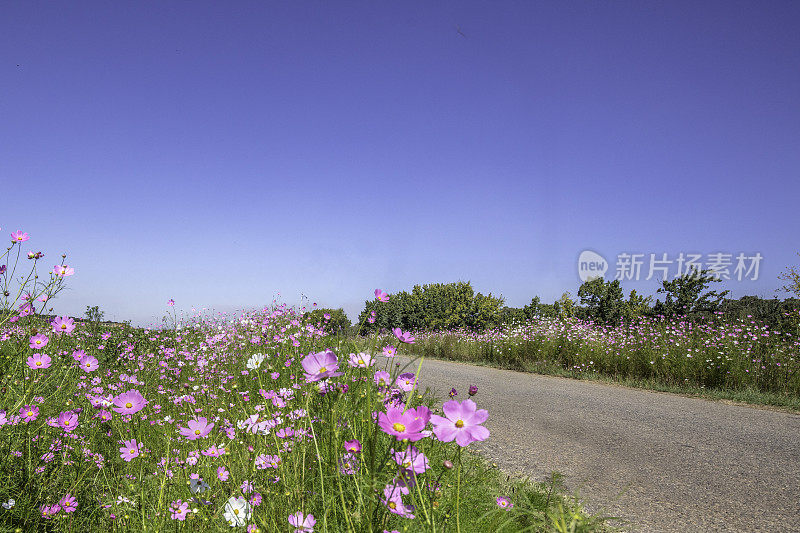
738	360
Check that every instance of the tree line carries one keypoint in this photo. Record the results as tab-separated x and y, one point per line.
443	306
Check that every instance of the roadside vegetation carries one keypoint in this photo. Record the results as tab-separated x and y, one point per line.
693	340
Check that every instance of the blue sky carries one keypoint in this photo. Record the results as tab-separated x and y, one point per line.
222	153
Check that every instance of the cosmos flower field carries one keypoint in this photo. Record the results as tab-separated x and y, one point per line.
257	422
742	355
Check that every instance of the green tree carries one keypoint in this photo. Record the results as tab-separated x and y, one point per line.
537	309
565	307
432	307
335	323
685	296
603	299
637	306
94	314
792	279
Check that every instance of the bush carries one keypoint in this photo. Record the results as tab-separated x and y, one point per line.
433	307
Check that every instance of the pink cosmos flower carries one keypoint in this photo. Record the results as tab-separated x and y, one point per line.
29	413
129	450
503	503
197	429
179	509
103	415
405	425
222	474
49	511
393	499
353	446
361	360
213	451
403	337
78	355
68	503
411	459
129	402
302	523
406	381
348	464
100	401
68	420
89	363
39	360
382	378
171	302
63	324
39	341
19	237
320	366
390	351
63	270
381	296
462	423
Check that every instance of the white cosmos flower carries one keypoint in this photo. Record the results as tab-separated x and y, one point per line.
9	504
255	361
237	511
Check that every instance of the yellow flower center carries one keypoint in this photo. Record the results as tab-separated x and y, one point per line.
323	369
129	405
360	361
398	427
196	431
132	451
236	511
66	422
30	413
392	505
460	424
38	363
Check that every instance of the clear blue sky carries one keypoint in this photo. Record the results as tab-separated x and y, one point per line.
219	153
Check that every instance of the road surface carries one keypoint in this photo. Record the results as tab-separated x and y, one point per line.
662	462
